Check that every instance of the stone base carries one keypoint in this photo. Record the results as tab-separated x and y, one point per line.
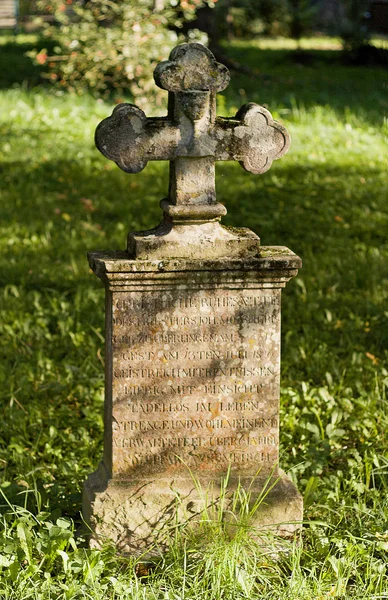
140	516
206	240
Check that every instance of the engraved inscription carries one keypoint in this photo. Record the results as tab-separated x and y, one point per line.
165	424
194	372
195	380
168	303
194	321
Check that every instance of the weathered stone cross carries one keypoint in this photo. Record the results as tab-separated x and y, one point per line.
192	138
192	380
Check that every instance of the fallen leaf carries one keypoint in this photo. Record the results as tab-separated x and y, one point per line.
372	358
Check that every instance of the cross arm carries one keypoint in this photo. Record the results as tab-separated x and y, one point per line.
131	139
252	137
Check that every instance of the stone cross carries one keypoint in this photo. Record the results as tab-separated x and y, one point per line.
192	352
192	138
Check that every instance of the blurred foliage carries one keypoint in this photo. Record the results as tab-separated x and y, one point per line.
302	13
243	18
108	46
103	46
352	26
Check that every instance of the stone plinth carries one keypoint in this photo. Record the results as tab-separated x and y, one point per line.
192	389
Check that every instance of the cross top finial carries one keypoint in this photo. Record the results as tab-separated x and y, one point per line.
191	67
192	138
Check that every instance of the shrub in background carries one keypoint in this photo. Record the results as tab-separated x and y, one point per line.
352	24
244	18
103	46
302	13
275	16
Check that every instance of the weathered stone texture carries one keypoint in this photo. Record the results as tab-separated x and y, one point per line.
140	516
193	370
195	380
192	323
192	138
252	137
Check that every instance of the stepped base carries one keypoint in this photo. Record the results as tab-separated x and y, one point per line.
202	241
140	516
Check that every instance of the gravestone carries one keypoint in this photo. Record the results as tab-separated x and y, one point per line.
192	323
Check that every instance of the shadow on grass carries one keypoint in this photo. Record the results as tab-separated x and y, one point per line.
290	212
340	234
16	67
333	309
281	78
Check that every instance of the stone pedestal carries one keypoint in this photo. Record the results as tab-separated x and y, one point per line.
192	390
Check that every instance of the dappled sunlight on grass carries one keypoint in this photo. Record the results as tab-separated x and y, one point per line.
326	200
283	43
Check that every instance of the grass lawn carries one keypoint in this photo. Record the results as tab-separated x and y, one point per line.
327	201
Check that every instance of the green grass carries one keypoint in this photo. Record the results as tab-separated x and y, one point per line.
326	200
